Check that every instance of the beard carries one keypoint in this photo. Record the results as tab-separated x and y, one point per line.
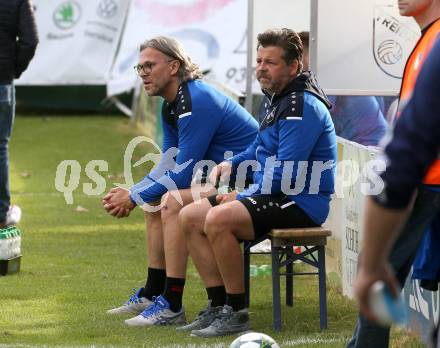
264	80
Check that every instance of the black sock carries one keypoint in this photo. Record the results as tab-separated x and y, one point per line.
155	283
236	301
174	292
217	295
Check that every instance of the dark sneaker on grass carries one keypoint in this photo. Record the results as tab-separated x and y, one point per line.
203	319
227	323
135	304
159	313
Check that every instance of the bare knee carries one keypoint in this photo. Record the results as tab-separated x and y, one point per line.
170	205
217	223
190	220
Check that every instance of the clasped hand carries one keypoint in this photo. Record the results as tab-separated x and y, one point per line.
118	203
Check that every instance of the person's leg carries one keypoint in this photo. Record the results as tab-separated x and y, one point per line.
7	111
143	297
156	273
226	225
176	252
192	220
426	207
167	308
247	219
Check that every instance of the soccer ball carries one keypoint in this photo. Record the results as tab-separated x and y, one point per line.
254	340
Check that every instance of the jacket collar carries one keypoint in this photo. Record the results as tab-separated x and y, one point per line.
306	81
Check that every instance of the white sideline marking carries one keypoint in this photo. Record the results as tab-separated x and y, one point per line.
312	341
286	343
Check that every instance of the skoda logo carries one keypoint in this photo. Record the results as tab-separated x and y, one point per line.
67	14
107	8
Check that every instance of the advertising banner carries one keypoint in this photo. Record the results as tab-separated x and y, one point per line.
212	32
78	41
352	188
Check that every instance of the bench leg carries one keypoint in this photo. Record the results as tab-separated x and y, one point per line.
246	264
289	277
276	289
322	288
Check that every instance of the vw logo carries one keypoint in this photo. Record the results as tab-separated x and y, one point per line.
107	8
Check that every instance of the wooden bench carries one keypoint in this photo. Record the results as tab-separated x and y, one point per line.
283	240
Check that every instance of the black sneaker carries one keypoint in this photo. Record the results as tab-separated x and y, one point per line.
228	322
203	319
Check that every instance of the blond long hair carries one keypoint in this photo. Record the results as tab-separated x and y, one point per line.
174	49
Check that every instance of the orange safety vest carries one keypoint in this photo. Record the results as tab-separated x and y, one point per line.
411	72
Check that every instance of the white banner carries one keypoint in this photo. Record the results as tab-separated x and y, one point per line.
78	41
267	14
352	170
212	32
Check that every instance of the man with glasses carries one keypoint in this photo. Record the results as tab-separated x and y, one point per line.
199	124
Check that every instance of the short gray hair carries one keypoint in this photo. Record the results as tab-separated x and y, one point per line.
174	49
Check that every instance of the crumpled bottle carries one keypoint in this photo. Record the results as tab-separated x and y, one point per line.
264	270
253	270
387	309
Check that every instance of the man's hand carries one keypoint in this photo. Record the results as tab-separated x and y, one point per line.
118	203
228	197
221	172
366	278
381	226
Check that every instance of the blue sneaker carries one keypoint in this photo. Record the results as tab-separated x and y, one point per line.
159	313
135	304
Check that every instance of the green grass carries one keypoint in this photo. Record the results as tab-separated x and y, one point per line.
76	265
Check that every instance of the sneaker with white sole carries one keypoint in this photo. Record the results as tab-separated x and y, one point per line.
203	319
159	313
227	323
13	216
135	304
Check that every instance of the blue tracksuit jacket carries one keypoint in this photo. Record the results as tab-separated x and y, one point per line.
202	124
296	133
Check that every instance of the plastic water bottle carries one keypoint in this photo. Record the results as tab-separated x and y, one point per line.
16	247
253	270
223	188
4	245
264	270
10	243
387	309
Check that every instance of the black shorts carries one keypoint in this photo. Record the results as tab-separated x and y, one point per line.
272	211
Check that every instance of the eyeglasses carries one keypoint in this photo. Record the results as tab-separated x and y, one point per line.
148	67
